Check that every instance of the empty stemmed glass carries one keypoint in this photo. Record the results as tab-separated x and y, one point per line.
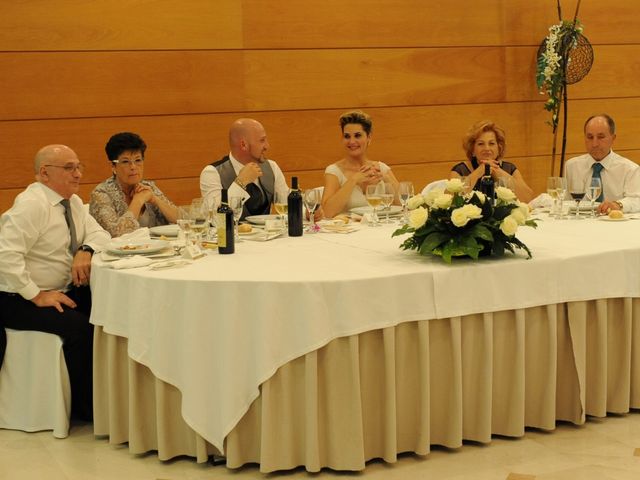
593	191
387	195
185	222
374	199
405	192
311	199
236	204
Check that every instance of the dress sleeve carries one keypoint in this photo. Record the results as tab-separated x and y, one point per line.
102	208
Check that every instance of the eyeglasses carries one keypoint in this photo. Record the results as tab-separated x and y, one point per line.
138	162
69	167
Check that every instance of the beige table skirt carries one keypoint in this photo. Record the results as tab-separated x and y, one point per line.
399	389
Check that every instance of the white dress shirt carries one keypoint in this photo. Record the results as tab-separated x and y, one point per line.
210	184
35	240
620	178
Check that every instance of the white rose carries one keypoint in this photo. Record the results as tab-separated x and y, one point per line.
432	195
524	208
418	217
443	201
509	226
459	217
504	194
415	201
481	196
472	211
454	185
518	216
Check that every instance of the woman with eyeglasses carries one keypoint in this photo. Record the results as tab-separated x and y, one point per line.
126	202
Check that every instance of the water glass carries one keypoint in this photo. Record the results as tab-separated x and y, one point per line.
405	192
312	199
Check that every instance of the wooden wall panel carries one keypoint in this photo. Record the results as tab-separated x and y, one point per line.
43	25
99	84
36	25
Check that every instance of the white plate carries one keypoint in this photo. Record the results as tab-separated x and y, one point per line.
254	230
605	218
165	230
137	248
393	210
261	219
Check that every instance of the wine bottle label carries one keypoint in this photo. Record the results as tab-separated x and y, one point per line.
222	230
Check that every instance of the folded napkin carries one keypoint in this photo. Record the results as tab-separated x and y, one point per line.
338	228
543	200
130	262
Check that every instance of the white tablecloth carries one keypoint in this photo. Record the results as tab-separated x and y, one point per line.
221	327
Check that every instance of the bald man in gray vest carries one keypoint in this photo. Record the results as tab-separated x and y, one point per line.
245	172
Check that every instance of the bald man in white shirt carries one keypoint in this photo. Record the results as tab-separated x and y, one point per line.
47	239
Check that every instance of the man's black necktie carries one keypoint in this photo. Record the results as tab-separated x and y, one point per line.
255	204
73	247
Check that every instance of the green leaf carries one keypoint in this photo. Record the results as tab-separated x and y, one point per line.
481	232
432	241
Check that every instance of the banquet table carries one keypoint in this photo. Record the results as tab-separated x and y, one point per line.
332	349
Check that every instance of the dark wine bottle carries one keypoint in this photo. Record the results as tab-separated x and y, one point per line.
224	219
487	185
294	209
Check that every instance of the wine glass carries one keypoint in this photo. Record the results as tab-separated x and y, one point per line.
311	199
198	213
236	203
185	222
374	199
388	193
405	192
577	191
557	188
593	191
280	205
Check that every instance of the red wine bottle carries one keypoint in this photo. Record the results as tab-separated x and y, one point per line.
487	185
224	219
294	209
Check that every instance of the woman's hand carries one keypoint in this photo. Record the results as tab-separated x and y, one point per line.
143	194
368	175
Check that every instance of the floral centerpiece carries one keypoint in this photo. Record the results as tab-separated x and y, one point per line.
553	63
450	223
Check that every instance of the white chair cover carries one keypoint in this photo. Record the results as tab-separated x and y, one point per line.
438	184
35	393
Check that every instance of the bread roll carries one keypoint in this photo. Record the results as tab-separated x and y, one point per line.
616	214
342	217
244	228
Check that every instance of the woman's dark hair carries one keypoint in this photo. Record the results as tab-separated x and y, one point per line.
357	117
122	142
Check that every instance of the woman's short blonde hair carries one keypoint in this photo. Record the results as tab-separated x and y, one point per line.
477	129
357	117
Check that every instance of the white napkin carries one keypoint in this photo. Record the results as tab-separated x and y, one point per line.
130	262
543	200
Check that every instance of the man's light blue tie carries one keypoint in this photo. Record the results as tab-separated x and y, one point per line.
597	168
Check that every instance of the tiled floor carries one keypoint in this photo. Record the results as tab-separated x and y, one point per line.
602	449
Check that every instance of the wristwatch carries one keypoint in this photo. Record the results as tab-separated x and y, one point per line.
86	248
240	184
